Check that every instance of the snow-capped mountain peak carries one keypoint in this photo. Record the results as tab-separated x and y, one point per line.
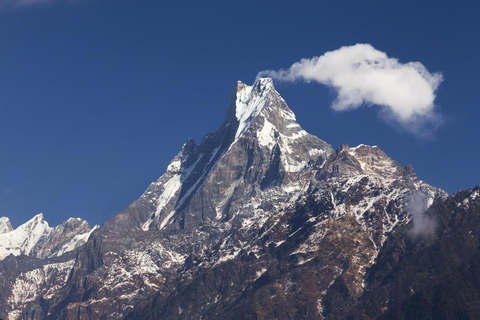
23	239
36	238
250	101
5	225
260	132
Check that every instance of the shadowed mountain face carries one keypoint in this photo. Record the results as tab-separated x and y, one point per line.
262	220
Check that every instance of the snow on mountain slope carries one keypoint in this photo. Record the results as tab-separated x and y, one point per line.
23	239
5	225
36	238
42	282
250	100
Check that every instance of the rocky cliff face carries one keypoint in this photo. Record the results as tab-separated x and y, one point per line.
261	220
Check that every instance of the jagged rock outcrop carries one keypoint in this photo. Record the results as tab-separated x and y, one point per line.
262	220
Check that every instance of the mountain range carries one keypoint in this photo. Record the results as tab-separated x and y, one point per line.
260	220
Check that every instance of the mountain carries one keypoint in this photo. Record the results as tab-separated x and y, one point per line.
262	220
5	225
36	238
258	151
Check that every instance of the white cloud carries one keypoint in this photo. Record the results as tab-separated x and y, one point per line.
362	75
422	224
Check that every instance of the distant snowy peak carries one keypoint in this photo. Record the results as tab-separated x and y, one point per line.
5	225
36	238
23	239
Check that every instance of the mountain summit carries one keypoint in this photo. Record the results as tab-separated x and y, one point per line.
262	220
259	146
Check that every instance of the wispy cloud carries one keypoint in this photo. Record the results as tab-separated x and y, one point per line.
363	76
423	224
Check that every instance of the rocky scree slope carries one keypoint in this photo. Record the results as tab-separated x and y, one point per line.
261	220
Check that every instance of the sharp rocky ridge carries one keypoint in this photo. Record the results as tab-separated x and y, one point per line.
261	220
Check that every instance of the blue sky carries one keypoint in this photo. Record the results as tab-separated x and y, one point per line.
98	96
